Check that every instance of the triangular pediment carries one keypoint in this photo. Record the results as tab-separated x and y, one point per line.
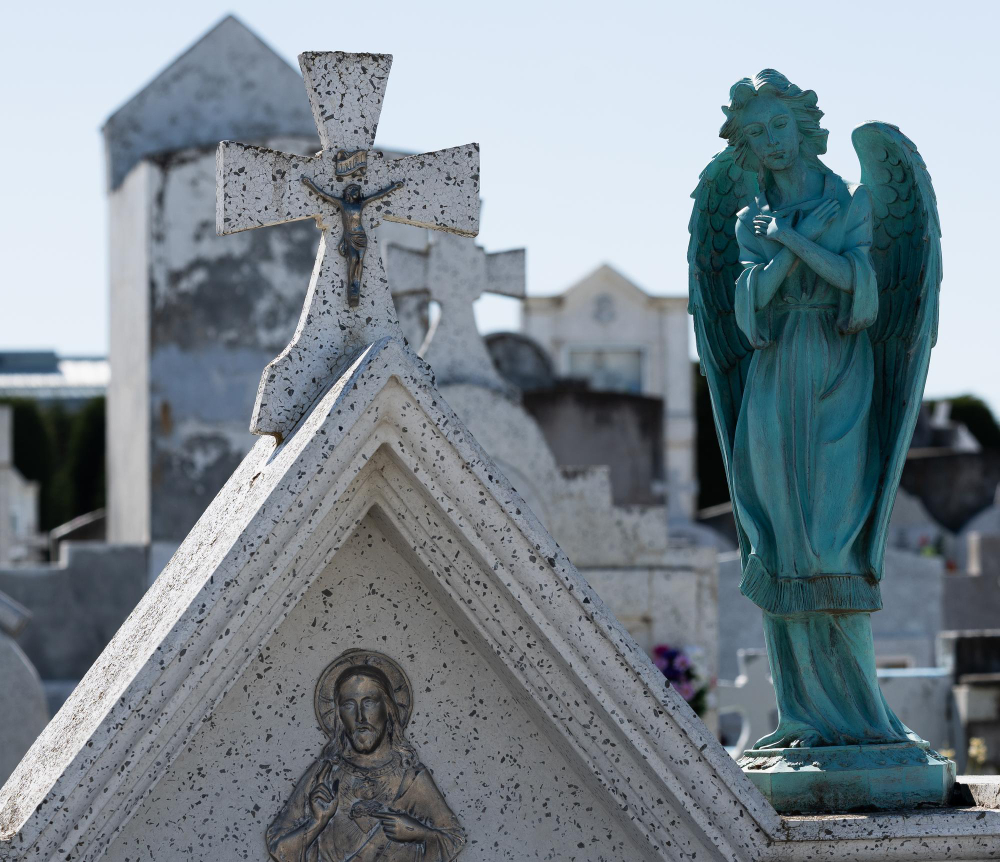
381	467
229	85
472	719
380	444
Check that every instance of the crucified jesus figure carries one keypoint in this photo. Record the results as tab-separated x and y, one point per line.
354	242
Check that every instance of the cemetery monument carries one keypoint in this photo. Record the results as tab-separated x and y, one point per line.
368	646
815	304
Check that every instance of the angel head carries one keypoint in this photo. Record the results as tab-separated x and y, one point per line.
771	123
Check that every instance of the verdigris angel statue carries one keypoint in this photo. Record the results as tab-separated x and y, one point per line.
815	305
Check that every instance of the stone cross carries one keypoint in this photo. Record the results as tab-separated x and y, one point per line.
456	272
412	306
751	696
258	187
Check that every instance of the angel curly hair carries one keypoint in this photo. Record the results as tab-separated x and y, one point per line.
334	749
802	106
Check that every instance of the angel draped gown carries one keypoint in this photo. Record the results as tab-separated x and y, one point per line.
805	475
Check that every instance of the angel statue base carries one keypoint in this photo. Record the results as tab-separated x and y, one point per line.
815	306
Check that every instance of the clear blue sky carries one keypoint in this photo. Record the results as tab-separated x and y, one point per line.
594	118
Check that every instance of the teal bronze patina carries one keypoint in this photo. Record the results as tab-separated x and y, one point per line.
815	304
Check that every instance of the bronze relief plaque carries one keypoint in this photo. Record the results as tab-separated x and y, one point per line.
367	797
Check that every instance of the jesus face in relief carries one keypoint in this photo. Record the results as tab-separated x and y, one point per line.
363	712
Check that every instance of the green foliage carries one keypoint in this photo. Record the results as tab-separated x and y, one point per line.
32	444
977	417
85	458
64	452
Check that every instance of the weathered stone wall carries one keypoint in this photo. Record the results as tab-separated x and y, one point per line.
606	311
221	308
971	602
621	431
227	85
740	622
77	604
923	699
128	429
912	608
675	606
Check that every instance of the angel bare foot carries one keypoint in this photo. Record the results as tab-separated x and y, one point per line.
792	734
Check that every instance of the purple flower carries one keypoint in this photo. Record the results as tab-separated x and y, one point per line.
664	653
682	662
685	689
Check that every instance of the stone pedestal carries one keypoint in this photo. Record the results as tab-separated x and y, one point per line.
850	777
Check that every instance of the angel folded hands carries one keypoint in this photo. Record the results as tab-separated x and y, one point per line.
799	239
810	226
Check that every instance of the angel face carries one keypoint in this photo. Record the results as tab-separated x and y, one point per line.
771	132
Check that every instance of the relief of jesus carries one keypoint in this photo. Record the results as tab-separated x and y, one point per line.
368	796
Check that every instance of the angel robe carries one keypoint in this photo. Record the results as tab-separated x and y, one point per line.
407	790
805	476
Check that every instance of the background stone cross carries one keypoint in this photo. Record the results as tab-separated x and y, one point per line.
751	696
258	187
456	272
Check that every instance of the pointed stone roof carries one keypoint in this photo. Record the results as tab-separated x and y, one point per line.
381	440
229	85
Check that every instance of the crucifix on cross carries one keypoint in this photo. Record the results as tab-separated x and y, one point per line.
456	272
353	241
348	189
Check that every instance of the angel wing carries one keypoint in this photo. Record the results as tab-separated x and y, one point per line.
724	188
906	254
